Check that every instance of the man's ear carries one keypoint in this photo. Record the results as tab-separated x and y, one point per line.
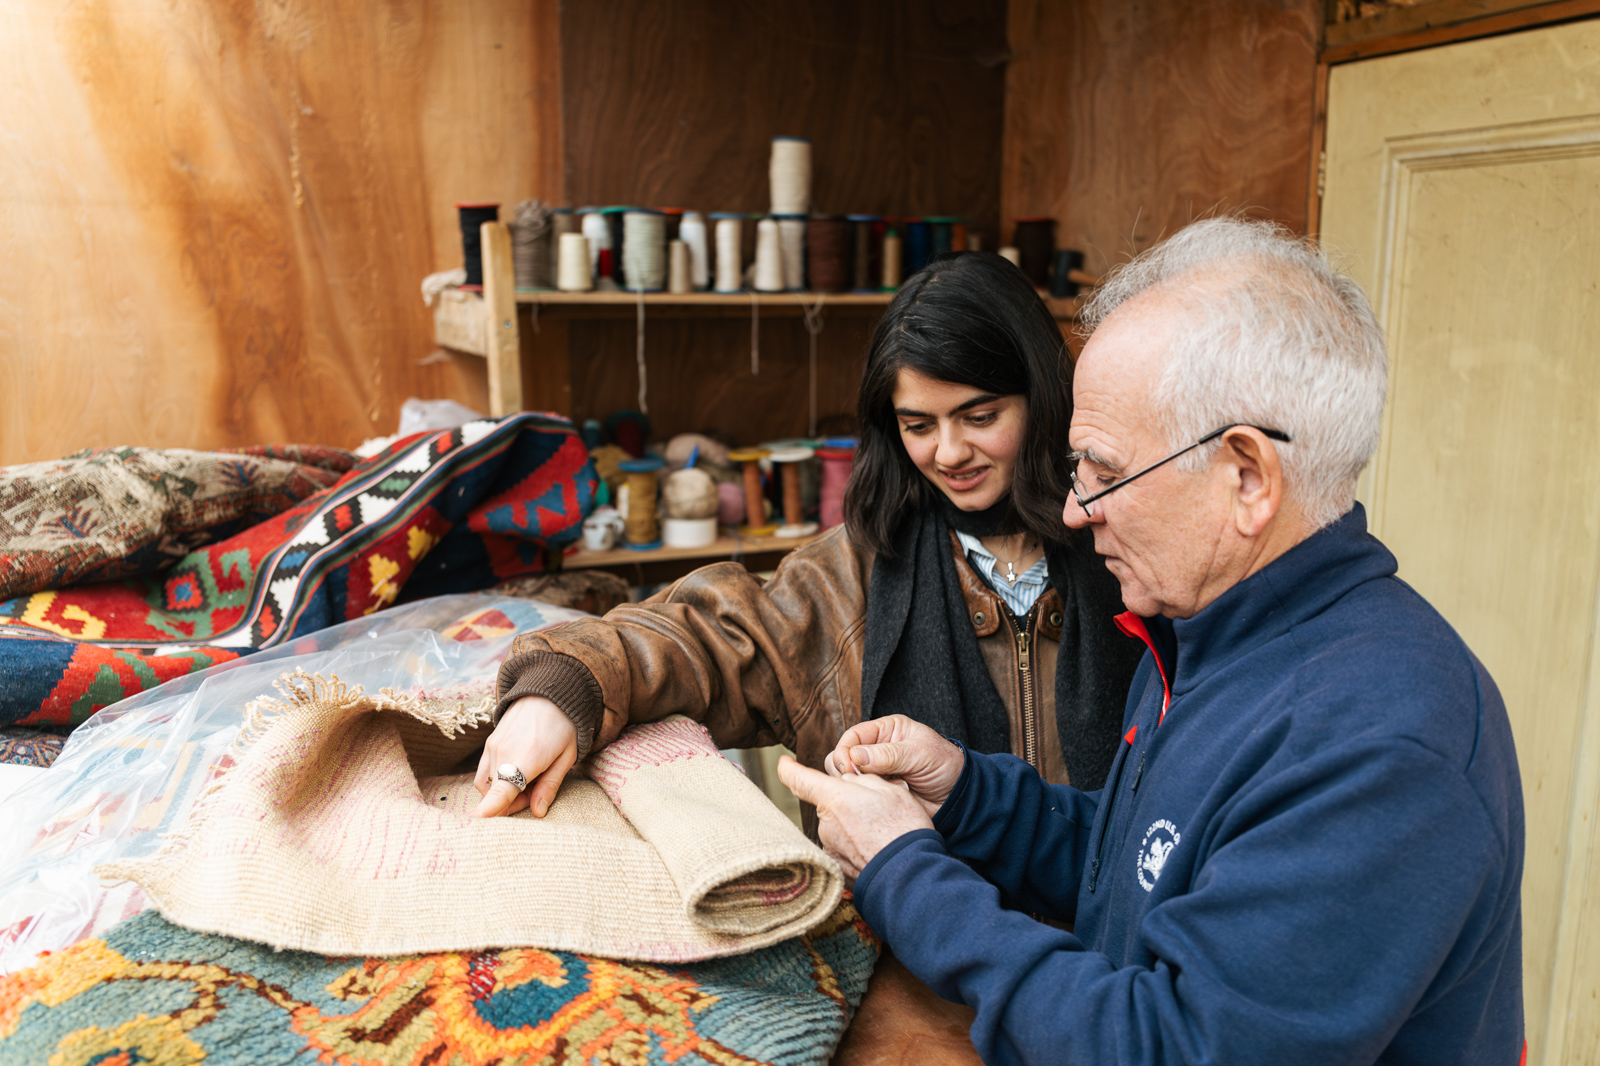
1257	478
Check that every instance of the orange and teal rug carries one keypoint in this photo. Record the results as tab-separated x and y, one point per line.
152	992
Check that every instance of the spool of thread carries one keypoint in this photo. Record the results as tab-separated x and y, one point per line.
641	526
891	261
530	245
958	236
861	261
678	268
829	244
562	221
692	232
471	216
644	250
672	220
619	236
573	271
919	245
790	175
943	234
730	256
755	515
769	257
974	242
1035	239
838	457
792	246
599	235
1069	261
787	461
1010	253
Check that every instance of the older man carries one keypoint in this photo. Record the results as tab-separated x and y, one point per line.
1309	848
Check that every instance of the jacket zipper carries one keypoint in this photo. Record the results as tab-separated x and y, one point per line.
1030	718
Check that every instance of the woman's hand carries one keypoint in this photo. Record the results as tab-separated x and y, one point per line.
538	739
901	748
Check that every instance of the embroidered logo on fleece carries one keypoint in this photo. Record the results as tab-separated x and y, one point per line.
1159	840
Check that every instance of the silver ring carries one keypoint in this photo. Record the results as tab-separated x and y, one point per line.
509	772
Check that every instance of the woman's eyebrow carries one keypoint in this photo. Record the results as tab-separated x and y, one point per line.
976	401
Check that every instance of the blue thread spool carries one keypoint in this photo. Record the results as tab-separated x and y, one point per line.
919	245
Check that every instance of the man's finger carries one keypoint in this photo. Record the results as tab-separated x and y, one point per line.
810	785
883	759
496	801
545	787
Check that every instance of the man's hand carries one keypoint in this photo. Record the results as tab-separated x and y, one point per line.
857	814
538	739
901	748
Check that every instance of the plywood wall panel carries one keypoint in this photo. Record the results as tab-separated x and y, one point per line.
1126	119
699	374
214	216
674	102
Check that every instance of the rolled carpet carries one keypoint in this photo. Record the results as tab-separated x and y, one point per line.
343	826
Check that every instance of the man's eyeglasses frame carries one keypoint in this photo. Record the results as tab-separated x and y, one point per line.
1087	502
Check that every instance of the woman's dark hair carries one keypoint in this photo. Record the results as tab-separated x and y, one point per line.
969	318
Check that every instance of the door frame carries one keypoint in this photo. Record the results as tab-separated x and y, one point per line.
1328	56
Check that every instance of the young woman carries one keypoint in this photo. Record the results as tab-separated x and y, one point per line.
953	593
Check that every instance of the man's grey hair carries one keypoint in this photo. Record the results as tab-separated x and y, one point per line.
1273	337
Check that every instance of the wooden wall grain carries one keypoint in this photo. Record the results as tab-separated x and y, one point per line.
214	214
674	102
1126	119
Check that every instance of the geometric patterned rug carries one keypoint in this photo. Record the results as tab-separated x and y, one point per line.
152	992
441	512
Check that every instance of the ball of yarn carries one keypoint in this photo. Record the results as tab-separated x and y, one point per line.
730	503
679	449
690	494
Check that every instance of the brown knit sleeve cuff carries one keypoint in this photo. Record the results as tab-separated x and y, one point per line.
561	679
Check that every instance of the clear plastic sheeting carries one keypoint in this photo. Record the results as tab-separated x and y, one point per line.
129	775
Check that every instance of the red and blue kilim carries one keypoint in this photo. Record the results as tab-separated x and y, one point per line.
446	511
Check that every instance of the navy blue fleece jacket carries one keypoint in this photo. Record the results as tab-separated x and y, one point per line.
1308	851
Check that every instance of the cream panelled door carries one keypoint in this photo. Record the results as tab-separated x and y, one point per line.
1463	184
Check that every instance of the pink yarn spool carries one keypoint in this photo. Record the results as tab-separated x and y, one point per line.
730	504
836	465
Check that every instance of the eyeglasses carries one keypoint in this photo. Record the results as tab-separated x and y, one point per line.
1089	501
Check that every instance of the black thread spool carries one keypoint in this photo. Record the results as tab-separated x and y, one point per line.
865	257
1035	240
613	217
472	216
828	246
1062	285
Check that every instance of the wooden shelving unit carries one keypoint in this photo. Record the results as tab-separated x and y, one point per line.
653	566
522	334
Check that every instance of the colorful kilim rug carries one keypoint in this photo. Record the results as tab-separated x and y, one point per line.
150	991
111	513
449	511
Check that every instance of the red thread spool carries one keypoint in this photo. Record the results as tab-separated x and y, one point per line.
837	462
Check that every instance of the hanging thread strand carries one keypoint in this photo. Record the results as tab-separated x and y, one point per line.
644	406
755	335
813	320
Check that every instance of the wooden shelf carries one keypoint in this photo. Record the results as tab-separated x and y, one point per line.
490	324
652	566
552	298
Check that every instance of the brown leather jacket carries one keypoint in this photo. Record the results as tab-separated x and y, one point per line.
772	663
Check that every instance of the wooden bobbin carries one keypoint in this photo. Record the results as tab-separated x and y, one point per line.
756	524
641	526
789	460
